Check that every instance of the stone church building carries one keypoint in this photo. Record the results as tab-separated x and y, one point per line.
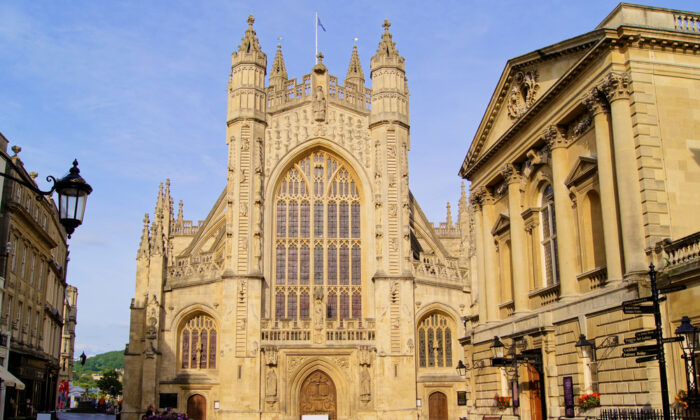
315	285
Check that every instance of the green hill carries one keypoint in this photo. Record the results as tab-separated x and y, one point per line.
82	374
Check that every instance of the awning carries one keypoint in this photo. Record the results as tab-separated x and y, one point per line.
10	379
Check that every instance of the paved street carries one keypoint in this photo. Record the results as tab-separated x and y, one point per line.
85	416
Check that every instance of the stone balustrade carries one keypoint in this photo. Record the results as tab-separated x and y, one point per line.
203	266
292	331
592	279
294	92
544	296
687	22
430	267
506	309
679	259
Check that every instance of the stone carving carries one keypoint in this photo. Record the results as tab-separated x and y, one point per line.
616	86
244	176
394	292
271	384
153	316
365	355
365	385
580	126
555	136
409	346
270	355
393	244
594	100
510	173
319	104
522	94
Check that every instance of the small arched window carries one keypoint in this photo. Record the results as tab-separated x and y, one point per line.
198	343
435	341
549	237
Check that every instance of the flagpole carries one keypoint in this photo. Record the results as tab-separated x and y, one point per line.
316	28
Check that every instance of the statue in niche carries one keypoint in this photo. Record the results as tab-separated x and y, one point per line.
318	308
319	104
365	386
271	383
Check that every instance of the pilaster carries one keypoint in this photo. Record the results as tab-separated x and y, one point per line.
517	239
617	89
490	259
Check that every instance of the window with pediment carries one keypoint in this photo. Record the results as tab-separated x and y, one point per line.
317	239
435	341
198	343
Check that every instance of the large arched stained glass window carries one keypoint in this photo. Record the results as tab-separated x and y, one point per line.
317	243
435	341
198	343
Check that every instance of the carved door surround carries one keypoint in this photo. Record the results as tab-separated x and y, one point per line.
318	395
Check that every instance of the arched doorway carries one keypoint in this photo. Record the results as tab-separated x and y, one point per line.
197	407
437	408
317	395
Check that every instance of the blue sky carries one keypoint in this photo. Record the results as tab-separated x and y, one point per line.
136	90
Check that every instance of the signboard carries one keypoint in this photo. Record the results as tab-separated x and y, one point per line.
638	309
461	397
646	359
673	339
569	396
638	301
645	335
672	289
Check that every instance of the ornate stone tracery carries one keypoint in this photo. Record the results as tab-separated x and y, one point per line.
522	93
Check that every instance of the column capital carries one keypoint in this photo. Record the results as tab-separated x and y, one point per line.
595	102
616	86
510	173
480	196
555	136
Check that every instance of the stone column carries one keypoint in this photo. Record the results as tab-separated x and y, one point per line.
615	86
595	102
490	260
475	197
518	247
555	136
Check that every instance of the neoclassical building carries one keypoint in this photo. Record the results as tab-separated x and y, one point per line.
315	285
586	159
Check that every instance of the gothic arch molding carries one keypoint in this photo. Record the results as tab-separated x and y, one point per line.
185	313
437	307
339	378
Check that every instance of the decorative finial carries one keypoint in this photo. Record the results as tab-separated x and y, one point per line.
145	220
33	175
320	57
386	25
16	149
251	19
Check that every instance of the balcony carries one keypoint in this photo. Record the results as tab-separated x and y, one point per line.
593	279
330	331
431	268
544	296
678	260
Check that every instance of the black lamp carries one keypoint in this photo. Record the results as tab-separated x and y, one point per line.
461	368
585	348
689	332
497	348
72	196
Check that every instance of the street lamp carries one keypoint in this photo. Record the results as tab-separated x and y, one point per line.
461	368
497	348
72	192
586	349
689	333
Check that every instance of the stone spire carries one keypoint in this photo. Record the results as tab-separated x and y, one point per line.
246	85
179	212
387	54
278	73
144	246
159	200
448	221
355	74
463	206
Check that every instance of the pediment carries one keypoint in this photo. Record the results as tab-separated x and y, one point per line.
502	225
584	168
524	87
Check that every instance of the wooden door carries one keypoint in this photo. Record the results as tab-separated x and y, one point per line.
317	395
197	407
535	387
437	408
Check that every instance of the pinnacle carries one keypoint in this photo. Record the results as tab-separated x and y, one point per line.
249	42
355	68
278	67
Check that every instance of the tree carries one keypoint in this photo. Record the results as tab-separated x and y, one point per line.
109	382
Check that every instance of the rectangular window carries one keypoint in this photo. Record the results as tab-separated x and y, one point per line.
332	306
318	265
344	220
32	269
356	266
356	306
344	263
355	215
332	265
344	306
304	265
293	219
280	264
281	219
305	219
279	305
212	349
168	400
332	221
292	305
318	220
304	305
292	273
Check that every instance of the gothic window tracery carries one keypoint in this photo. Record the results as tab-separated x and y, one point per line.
549	237
318	226
198	343
435	341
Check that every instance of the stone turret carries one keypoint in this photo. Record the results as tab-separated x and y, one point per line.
278	73
389	87
246	89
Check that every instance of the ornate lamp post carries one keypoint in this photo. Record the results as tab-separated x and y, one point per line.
72	193
689	332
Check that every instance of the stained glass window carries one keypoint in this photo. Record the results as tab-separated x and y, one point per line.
198	343
437	350
318	234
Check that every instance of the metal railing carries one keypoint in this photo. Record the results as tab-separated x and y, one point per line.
646	414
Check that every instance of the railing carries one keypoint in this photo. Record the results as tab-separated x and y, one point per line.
687	22
646	414
291	331
294	92
433	268
203	265
593	279
506	309
187	228
544	296
682	251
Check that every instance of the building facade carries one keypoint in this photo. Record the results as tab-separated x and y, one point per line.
70	315
585	161
316	285
34	262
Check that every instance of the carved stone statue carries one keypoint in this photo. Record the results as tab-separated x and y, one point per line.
271	383
365	385
319	104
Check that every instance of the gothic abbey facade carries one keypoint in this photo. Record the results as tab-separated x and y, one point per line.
316	285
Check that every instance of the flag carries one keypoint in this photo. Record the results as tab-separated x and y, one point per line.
318	20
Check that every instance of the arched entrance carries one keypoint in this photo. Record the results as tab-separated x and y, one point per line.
317	395
437	408
197	407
